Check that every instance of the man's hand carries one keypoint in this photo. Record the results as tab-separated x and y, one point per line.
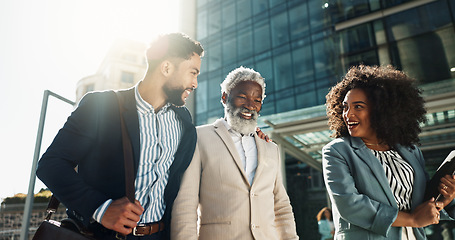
122	215
262	135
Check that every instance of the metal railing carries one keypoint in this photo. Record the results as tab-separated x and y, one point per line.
29	200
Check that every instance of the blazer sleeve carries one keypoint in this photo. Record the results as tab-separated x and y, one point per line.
284	217
354	207
184	212
72	143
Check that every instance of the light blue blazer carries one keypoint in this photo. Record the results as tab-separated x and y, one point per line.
363	204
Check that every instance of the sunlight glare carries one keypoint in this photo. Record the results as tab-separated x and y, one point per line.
92	26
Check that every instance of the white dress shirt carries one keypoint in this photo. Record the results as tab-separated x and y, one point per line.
246	147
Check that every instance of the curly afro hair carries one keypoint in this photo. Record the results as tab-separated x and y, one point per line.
397	107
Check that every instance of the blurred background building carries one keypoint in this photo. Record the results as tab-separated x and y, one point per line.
302	48
123	66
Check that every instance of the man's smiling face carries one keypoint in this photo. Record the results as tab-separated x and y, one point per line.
243	106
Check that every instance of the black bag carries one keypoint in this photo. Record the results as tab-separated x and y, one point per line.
50	229
67	229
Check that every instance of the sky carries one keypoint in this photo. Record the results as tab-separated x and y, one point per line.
50	45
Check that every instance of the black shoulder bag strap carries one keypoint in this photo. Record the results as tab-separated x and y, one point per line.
127	154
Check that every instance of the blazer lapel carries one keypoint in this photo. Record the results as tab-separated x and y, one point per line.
368	157
132	122
419	187
187	141
223	133
262	153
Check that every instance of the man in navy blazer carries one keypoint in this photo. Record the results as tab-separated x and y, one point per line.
91	140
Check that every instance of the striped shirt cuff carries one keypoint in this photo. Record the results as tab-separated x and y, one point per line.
99	212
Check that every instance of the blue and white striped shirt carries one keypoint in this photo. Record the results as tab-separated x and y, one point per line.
160	135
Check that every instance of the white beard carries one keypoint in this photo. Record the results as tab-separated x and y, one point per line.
239	124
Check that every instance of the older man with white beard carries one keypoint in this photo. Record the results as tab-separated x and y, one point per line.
233	188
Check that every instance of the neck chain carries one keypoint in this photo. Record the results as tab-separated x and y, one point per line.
372	144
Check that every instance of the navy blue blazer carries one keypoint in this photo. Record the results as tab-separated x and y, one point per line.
362	202
91	139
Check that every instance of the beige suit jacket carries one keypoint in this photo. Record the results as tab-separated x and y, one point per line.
229	207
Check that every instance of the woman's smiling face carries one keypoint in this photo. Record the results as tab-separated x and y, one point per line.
356	115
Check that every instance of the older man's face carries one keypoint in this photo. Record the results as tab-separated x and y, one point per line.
243	106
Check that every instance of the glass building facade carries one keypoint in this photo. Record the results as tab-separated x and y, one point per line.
303	47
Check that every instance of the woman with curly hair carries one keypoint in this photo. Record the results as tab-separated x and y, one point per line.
373	171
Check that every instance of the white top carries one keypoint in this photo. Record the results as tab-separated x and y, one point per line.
246	147
401	179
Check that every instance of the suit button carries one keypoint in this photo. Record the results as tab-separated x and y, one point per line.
253	226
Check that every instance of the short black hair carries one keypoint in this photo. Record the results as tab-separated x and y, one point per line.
397	105
171	46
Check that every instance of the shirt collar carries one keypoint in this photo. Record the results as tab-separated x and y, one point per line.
233	131
145	107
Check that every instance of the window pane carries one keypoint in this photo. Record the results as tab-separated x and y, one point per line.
228	15
262	38
244	10
322	88
229	50
214	91
453	9
367	58
391	3
205	59
299	21
319	15
201	3
286	101
326	58
265	69
268	107
344	10
245	45
417	21
422	62
276	2
305	96
214	56
303	64
201	97
259	6
357	38
379	32
280	29
202	25
214	21
248	62
283	71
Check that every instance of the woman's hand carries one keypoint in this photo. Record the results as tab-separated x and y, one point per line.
425	214
447	189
